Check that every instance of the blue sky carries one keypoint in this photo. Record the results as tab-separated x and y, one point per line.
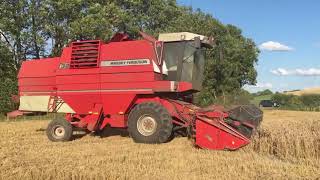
287	32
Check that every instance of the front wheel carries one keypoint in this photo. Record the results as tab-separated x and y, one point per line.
150	123
59	130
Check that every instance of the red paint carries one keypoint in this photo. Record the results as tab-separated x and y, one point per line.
217	135
105	95
17	113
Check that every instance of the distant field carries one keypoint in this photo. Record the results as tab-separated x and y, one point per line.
305	91
287	147
257	99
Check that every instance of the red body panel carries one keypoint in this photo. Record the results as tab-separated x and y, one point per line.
114	87
38	76
213	134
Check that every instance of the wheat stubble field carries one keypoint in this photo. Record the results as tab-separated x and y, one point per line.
287	147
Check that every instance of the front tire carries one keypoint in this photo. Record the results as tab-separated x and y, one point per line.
59	130
150	123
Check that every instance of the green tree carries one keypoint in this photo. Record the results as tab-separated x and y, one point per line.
263	93
282	99
58	17
311	101
8	83
36	36
13	25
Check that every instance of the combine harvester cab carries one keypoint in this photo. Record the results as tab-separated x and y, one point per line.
143	85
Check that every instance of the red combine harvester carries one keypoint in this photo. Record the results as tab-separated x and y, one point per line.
143	85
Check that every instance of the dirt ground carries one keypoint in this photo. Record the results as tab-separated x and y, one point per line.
288	147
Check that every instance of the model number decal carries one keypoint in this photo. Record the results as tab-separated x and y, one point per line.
131	62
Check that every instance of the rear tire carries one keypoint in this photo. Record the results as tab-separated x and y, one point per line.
150	123
59	130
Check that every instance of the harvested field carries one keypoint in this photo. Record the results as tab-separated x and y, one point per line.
304	91
287	147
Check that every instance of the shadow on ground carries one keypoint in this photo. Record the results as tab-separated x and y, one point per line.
108	132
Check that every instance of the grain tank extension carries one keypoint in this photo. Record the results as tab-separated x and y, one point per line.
143	85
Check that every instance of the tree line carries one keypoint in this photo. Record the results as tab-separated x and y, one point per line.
41	28
307	102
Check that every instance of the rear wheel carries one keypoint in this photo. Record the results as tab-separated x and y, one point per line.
59	130
150	123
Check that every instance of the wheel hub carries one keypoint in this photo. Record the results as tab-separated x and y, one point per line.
146	125
58	132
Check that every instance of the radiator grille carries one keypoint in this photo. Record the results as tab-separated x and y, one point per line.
85	54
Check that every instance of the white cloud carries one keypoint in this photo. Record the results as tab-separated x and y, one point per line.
280	72
274	46
263	85
297	72
258	87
